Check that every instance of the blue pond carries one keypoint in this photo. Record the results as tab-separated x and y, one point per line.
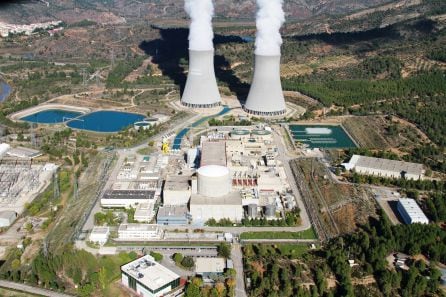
5	90
105	121
51	116
179	138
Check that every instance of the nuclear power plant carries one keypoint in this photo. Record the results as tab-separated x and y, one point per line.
265	96
201	90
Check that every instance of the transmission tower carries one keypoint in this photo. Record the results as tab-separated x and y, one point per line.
84	76
45	247
112	58
56	189
76	189
33	135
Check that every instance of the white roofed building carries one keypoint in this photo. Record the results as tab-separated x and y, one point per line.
385	167
99	235
147	278
411	212
139	232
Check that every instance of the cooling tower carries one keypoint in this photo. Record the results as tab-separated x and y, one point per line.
265	97
201	89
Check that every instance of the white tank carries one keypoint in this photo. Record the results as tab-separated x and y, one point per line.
201	90
4	147
265	97
214	181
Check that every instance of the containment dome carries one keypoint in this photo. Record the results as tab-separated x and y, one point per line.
214	181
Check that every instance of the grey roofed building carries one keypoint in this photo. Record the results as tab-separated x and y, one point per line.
7	217
213	153
385	167
177	183
173	215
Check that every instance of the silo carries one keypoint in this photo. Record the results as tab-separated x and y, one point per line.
214	181
265	97
252	210
270	210
201	90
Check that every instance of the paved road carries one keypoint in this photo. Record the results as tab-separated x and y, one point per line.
31	289
286	157
237	258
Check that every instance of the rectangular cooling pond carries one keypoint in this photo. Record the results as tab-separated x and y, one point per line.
321	136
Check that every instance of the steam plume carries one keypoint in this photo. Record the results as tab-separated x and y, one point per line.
200	30
270	17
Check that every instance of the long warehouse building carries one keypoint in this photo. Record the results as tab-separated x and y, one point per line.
385	167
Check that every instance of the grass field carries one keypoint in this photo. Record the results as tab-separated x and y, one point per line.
11	293
307	234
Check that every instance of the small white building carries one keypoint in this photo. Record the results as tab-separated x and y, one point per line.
126	198
209	266
139	232
7	217
411	212
99	235
385	167
144	212
147	278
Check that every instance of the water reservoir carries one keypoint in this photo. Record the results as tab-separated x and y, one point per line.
105	121
51	116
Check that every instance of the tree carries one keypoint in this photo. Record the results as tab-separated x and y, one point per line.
192	291
224	250
157	256
188	262
177	257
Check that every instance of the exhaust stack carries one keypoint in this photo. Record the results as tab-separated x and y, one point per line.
201	90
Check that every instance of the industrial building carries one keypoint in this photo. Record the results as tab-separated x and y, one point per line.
144	212
177	190
207	267
411	212
139	232
213	153
203	208
201	90
385	168
147	278
99	235
173	215
7	217
265	97
126	199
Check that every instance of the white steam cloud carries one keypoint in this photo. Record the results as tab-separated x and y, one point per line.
270	17
200	30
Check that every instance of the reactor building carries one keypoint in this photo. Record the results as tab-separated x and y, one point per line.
265	97
201	90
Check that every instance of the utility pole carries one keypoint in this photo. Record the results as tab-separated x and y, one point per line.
84	76
56	189
112	58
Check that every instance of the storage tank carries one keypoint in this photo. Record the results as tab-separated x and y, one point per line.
270	210
214	181
252	210
4	147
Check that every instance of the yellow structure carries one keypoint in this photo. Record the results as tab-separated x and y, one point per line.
165	147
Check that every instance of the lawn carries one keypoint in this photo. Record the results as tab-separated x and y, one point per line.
306	234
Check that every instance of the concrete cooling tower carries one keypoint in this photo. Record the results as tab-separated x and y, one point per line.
265	97
201	89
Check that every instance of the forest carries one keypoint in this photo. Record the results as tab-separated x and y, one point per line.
270	269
